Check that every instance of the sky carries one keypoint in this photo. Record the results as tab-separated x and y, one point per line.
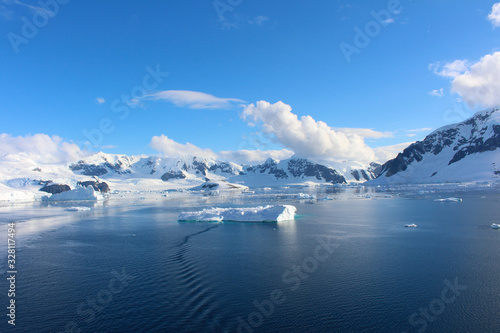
241	80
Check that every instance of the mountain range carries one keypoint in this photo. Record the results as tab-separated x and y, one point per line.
464	152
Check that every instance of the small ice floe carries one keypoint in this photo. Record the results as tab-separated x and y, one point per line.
452	199
305	196
410	225
77	209
495	226
271	213
325	199
80	193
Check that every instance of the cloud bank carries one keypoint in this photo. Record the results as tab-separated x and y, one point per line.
40	148
171	148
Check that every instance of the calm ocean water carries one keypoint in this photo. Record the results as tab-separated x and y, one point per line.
346	265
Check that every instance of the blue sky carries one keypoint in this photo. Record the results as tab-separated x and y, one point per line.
68	76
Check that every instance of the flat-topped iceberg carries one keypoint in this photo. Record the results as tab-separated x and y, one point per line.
271	213
448	200
80	193
77	209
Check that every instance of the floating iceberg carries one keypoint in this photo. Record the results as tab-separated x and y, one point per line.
448	200
306	196
495	226
269	213
413	225
80	193
77	209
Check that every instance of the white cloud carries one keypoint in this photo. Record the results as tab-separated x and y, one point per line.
480	85
245	156
366	133
451	69
494	15
100	100
417	130
389	21
386	153
171	148
259	20
41	148
308	137
437	92
193	99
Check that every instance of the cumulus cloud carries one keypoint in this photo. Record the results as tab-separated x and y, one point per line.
437	92
494	15
308	137
193	99
480	85
100	100
41	148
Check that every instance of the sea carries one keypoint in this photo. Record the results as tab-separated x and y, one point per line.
347	263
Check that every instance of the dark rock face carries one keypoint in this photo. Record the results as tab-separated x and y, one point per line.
209	186
299	168
462	140
173	175
222	167
55	188
270	167
98	169
98	186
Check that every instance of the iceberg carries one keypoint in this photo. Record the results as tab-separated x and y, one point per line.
80	193
77	209
448	200
306	196
413	225
495	226
270	213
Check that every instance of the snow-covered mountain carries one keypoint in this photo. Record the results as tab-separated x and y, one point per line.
466	151
294	170
25	177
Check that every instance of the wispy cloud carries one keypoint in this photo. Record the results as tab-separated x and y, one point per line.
259	20
451	69
366	133
437	92
494	15
193	99
413	132
100	100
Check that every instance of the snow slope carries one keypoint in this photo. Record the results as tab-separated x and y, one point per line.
463	152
